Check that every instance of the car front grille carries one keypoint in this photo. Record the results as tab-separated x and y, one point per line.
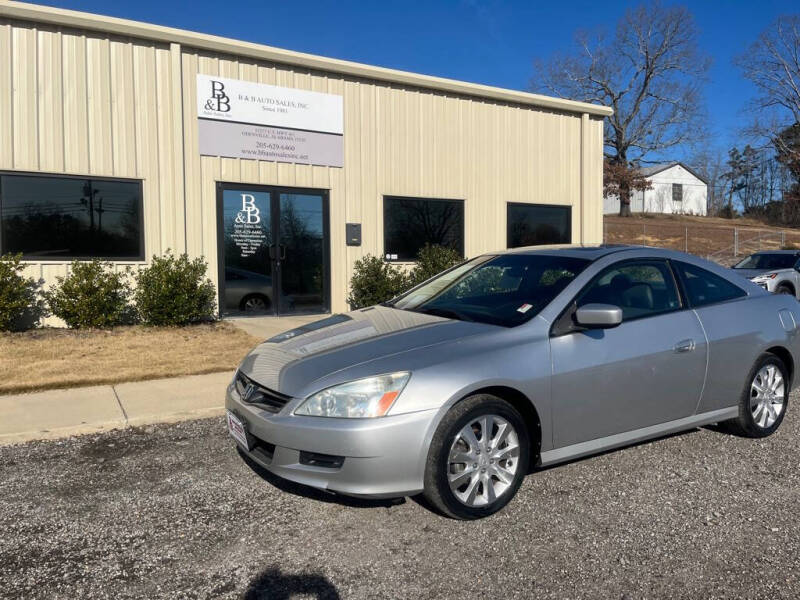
252	393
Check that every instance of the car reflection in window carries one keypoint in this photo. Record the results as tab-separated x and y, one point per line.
247	291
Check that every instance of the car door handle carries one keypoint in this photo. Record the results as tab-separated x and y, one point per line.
684	346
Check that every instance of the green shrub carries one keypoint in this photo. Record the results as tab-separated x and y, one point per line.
431	261
175	291
92	295
21	305
375	281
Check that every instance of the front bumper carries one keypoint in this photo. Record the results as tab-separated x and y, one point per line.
383	457
766	284
763	284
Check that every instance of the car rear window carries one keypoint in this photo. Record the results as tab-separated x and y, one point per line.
703	287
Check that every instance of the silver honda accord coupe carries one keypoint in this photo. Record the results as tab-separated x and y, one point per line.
511	361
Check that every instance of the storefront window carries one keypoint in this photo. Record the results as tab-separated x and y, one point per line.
57	218
537	224
410	223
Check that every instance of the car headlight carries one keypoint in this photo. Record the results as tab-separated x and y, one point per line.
360	399
765	277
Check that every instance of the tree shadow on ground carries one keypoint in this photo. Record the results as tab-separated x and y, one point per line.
271	584
305	491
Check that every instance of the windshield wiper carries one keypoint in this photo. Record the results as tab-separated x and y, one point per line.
447	313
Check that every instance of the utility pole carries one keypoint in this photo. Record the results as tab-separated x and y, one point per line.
100	212
88	201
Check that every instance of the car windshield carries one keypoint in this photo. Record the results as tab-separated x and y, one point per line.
505	290
767	261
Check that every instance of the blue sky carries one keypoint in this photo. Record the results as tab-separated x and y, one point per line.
492	42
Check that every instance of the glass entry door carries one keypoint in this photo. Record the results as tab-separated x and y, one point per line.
274	250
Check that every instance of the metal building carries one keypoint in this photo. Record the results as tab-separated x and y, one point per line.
122	140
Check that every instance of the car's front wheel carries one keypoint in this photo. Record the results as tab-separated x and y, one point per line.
477	459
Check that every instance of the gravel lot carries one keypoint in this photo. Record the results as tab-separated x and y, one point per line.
172	511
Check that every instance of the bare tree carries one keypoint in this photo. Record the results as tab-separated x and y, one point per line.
711	164
650	72
772	63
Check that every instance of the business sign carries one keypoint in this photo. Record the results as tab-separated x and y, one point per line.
243	119
240	140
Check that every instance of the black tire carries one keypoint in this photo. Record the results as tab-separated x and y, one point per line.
784	289
437	487
244	301
745	424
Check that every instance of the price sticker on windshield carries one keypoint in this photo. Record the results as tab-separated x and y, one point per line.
524	308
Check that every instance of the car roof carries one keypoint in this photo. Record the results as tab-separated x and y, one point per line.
776	252
590	252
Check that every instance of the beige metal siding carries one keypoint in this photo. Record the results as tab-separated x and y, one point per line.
406	142
84	102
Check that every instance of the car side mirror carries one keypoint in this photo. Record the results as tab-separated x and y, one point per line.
598	316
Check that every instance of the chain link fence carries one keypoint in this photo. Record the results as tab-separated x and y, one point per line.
725	245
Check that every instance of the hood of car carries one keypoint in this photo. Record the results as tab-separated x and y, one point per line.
292	361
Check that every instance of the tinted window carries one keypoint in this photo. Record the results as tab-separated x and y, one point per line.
503	290
410	223
703	287
768	261
640	289
535	224
70	217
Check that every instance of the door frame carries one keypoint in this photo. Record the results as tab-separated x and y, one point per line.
274	191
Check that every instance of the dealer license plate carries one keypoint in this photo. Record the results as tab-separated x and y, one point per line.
238	430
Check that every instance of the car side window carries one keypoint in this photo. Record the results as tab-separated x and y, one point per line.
704	287
639	288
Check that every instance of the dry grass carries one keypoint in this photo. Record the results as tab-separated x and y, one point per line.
695	220
58	358
704	236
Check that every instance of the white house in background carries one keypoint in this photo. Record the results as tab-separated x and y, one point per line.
677	189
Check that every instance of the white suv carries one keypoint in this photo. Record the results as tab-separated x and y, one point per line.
777	271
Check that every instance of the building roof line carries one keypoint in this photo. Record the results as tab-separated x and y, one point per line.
655	169
123	27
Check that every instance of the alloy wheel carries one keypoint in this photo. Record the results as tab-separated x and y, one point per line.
767	396
255	304
483	460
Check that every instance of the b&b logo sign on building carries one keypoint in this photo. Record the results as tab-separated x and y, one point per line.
247	231
219	101
249	213
242	119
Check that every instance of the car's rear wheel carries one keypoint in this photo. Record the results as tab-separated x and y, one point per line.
477	459
765	398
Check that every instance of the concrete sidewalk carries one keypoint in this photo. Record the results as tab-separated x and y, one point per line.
266	327
61	413
65	412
